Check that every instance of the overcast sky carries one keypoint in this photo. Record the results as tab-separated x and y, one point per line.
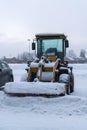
22	19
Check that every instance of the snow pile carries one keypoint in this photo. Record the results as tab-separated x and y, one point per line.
47	76
64	78
61	106
19	71
33	65
35	88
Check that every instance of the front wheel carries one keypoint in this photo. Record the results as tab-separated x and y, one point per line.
65	78
68	89
72	83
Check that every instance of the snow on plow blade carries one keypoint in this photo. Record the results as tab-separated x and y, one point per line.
45	89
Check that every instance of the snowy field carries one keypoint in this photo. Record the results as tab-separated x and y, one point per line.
37	113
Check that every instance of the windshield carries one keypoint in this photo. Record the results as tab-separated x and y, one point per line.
49	46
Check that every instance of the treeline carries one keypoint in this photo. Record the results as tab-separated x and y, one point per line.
73	58
70	56
21	58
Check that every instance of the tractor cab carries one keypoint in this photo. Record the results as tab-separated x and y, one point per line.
52	45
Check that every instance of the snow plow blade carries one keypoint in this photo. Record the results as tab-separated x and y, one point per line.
35	89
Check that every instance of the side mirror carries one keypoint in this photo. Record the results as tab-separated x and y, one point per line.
33	46
66	43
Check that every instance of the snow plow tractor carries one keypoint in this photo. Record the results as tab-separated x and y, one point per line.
49	74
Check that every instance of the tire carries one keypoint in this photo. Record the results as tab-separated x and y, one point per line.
65	78
71	83
68	89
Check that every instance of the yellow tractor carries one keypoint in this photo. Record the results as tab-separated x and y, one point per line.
50	64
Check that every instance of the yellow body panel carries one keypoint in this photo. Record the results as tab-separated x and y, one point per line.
34	70
52	58
49	34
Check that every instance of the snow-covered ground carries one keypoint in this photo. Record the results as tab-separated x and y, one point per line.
37	113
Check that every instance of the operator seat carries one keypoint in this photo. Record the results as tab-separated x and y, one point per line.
51	51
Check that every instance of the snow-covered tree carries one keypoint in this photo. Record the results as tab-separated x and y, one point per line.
83	53
25	56
71	54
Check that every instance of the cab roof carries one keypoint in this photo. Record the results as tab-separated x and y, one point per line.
50	35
